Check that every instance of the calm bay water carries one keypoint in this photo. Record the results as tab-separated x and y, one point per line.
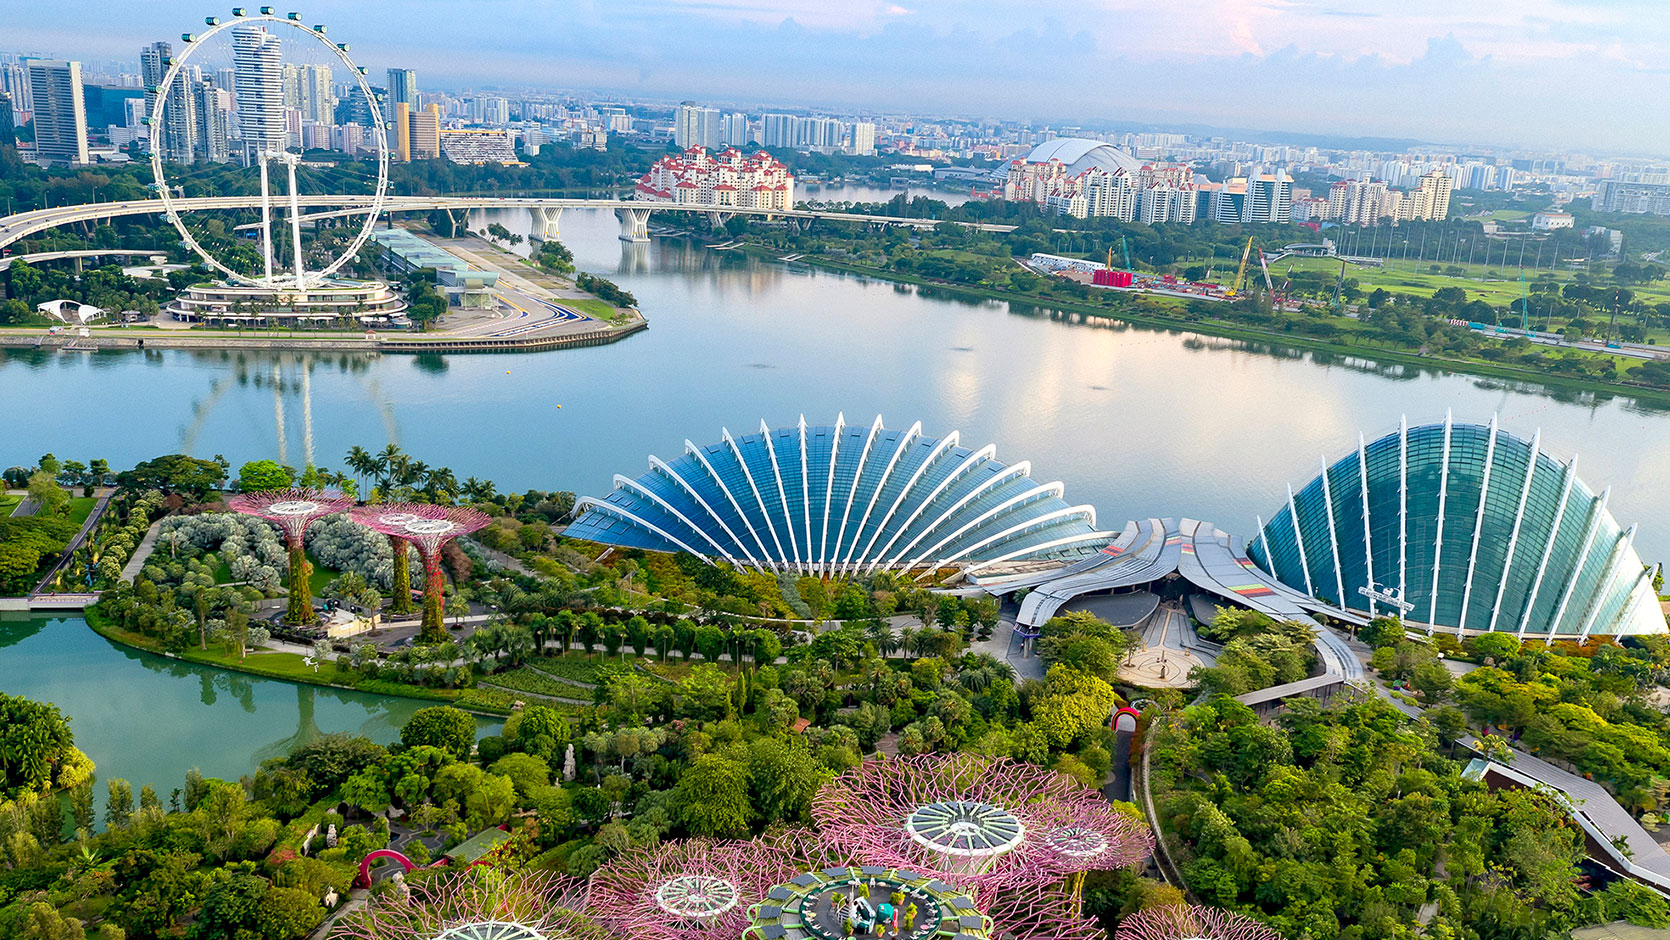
1136	422
150	719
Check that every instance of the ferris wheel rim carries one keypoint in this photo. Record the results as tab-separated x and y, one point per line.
171	211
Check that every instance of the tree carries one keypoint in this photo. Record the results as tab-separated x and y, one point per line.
261	475
288	914
175	473
450	729
229	908
706	691
50	498
526	771
712	798
783	777
37	750
491	802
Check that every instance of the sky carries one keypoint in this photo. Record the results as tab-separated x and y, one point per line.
1576	75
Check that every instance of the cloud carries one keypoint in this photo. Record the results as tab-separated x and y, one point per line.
1547	73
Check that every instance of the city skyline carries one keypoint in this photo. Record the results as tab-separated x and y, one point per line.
1548	74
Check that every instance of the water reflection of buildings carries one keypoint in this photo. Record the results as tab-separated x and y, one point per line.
290	377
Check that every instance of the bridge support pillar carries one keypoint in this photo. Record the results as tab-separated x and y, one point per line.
634	224
717	220
546	222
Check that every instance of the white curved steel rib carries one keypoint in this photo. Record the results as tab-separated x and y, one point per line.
857	477
588	502
1299	540
1632	600
659	464
1055	489
1597	512
908	438
748	475
1368	533
1438	539
625	482
950	440
1333	538
1066	512
1548	547
1513	534
695	451
806	499
782	497
1024	468
1478	526
829	489
1608	575
989	452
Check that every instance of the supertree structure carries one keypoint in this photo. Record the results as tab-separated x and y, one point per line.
476	904
401	583
845	901
293	511
973	820
426	527
699	889
1192	922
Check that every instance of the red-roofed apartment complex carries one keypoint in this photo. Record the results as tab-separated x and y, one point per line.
726	178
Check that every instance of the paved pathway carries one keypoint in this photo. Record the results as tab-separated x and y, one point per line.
142	552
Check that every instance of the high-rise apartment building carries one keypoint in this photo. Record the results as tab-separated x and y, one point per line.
14	81
402	89
423	132
176	129
862	143
1430	201
60	113
734	131
778	130
8	131
212	134
257	55
696	126
307	88
489	110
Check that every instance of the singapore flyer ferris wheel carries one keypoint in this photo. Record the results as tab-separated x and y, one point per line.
235	113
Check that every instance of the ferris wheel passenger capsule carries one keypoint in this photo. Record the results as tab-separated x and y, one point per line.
237	11
188	38
266	11
211	21
343	46
296	17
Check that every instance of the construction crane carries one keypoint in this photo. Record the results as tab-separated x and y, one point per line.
1241	274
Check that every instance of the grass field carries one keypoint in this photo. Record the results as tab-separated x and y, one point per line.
1488	284
8	503
592	307
80	508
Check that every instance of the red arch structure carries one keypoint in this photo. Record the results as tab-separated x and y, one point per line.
365	865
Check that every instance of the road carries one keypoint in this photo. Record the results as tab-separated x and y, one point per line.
24	224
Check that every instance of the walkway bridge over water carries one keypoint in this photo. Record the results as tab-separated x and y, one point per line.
634	215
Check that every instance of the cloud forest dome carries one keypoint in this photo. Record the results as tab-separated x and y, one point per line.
842	499
1472	528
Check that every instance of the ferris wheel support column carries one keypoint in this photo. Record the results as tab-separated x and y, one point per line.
290	161
266	220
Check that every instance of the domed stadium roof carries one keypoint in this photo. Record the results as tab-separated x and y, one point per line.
1080	154
1464	527
842	499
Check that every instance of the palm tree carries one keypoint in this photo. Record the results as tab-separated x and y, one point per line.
362	463
440	486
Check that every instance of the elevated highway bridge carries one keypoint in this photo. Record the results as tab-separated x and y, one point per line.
633	215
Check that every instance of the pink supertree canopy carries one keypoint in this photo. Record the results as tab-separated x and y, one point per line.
698	889
477	904
975	820
427	527
1038	915
1192	922
291	510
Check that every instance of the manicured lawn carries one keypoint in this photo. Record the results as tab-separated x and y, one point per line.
8	503
592	307
80	508
319	580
